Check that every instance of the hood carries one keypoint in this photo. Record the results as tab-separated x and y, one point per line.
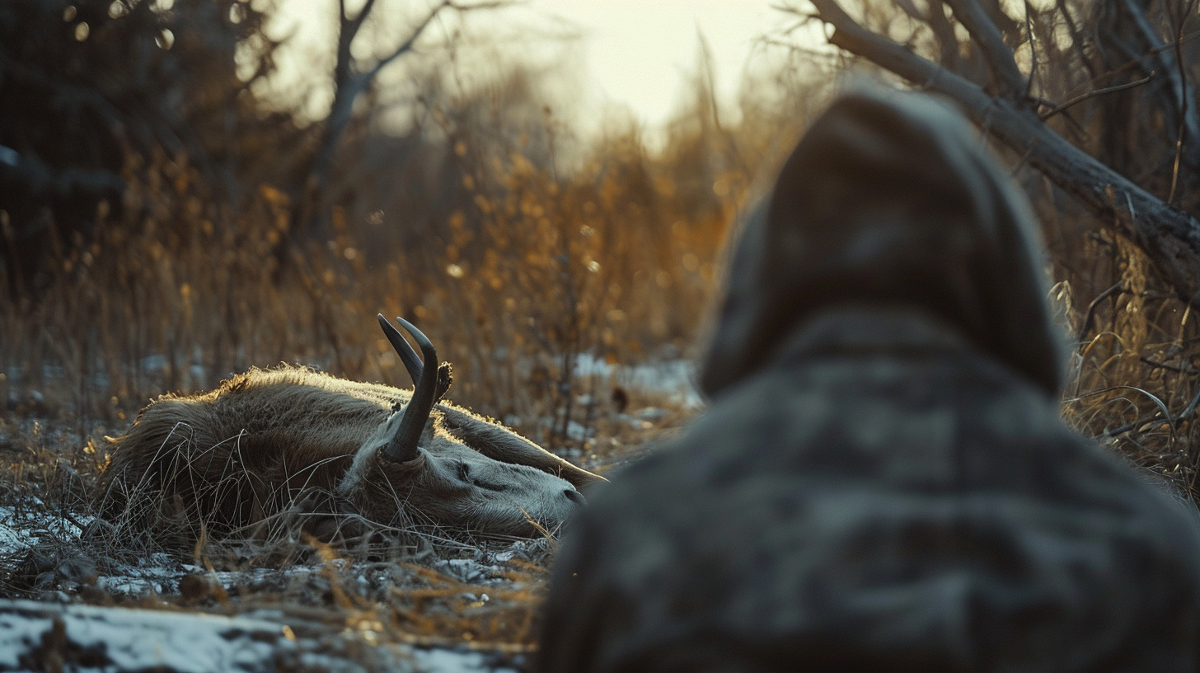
890	201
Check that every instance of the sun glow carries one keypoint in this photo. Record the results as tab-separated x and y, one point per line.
631	58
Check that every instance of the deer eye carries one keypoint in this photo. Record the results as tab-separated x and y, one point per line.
464	475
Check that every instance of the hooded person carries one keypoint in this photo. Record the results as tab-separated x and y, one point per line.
882	480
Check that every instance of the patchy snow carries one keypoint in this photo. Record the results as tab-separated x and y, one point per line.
120	639
439	660
673	378
142	581
162	576
23	527
62	633
41	635
159	575
13	538
468	571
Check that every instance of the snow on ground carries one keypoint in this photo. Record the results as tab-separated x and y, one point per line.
160	574
438	660
23	527
60	632
12	537
104	639
41	636
673	378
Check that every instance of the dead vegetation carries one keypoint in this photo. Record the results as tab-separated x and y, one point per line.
413	588
523	261
1093	105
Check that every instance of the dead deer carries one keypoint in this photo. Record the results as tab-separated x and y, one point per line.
267	445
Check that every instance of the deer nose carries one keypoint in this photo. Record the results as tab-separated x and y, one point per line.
574	496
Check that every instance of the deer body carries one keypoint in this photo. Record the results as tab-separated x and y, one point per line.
270	444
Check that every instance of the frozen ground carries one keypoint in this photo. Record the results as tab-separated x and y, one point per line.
256	619
673	378
24	526
455	609
37	635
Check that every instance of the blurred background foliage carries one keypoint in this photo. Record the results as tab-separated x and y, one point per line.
158	218
166	221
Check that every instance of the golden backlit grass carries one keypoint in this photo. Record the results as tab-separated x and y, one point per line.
531	273
1132	381
616	259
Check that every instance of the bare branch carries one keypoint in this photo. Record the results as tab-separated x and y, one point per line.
407	45
910	9
1077	40
1094	93
351	80
987	36
1170	237
944	32
1090	314
1152	48
1033	67
1183	100
1009	27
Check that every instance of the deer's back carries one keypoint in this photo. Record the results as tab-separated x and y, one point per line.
265	433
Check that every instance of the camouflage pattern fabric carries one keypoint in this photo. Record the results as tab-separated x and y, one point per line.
882	481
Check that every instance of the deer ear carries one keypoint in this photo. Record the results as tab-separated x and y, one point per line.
445	377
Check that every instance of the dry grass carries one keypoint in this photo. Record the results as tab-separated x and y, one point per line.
530	273
614	261
392	587
177	294
1132	382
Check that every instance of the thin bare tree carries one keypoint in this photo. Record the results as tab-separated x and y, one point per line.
351	78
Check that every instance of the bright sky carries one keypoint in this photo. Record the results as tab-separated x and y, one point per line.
632	53
640	52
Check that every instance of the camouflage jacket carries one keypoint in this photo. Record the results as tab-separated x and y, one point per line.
882	498
882	480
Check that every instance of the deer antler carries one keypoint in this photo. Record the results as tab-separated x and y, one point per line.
412	363
402	447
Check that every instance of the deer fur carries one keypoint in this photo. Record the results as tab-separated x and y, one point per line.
271	445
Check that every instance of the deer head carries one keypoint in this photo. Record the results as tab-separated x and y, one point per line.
453	468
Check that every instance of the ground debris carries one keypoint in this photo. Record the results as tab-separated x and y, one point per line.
109	599
38	635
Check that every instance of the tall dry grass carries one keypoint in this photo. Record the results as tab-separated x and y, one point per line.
1132	380
533	269
529	267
